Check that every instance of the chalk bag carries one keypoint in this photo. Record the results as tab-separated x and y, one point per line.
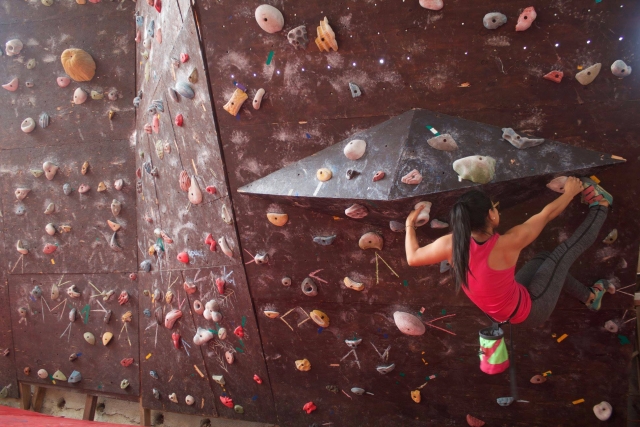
494	357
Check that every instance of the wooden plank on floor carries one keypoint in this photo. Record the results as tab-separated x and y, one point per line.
25	396
38	398
90	404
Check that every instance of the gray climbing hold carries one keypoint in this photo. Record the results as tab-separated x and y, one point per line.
611	237
145	265
444	266
173	94
589	74
43	120
156	393
147	312
505	401
309	287
352	174
136	101
355	90
75	377
520	141
36	291
139	21
324	240
396	226
184	89
154	374
20	210
444	142
298	37
493	20
357	390
113	243
151	27
386	369
66	189
620	69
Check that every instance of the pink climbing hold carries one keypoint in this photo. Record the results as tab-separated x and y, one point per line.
94	1
157	4
179	120
156	124
526	18
378	176
220	282
147	128
239	331
226	401
138	36
257	379
49	248
309	407
183	257
12	86
63	81
189	287
133	276
211	189
412	178
184	57
209	240
554	76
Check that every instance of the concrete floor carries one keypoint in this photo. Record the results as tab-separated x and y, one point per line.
71	405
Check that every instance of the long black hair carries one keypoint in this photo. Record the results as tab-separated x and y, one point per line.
468	214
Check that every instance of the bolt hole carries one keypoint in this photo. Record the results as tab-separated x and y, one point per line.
493	20
265	19
588	73
525	17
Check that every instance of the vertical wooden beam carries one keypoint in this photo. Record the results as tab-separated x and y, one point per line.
38	398
145	415
25	396
90	403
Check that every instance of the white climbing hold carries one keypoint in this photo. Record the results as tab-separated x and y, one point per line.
355	149
269	18
423	216
432	4
618	68
603	410
479	169
408	323
589	74
371	240
257	100
518	141
444	142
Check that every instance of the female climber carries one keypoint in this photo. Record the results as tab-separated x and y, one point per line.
483	261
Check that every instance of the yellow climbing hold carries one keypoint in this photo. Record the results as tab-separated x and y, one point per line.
415	395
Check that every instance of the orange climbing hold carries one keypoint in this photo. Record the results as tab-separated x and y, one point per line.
474	422
554	76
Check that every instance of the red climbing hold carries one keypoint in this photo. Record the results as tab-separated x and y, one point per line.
49	248
179	120
176	340
239	331
133	276
209	240
220	284
474	422
257	379
554	76
127	361
184	57
211	189
226	401
158	5
155	124
378	176
183	257
139	173
309	407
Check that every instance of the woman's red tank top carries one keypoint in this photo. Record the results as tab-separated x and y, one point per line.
495	292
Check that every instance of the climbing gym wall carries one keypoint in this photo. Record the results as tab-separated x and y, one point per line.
397	56
200	346
68	197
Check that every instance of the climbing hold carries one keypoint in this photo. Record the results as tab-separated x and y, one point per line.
50	209
493	20
179	120
435	223
326	39
415	396
220	284
479	169
101	187
357	390
236	101
603	410
277	219
78	64
75	377
63	81
408	323
257	100
189	287
303	365
88	337
323	174
154	375
269	18
538	379
171	318
351	284
28	83
118	183
175	337
43	374
226	401
73	314
423	216
229	357
123	298
58	375
113	225
155	124
356	211
145	265
371	240
22	249
355	90
173	398
412	178
352	173
611	237
386	369
36	291
73	356
557	184
198	307
49	249
193	77
107	317
286	281
156	393
333	389
13	47
151	28
113	244
526	18
432	4
554	76
124	384
96	95
211	310
189	400
324	240
226	217
443	142
520	141
309	287
185	90
261	259
474	422
222	333
271	314
195	195
43	120
37	172
21	193
202	336
218	379
589	74
116	206
257	379
355	149
298	37
209	240
184	57
378	176
126	362
183	257
611	326
22	312
319	318
444	266
106	337
28	125
185	181
620	69
20	210
225	247
79	96
168	297
12	86
309	407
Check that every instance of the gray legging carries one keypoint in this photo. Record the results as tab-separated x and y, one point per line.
548	273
